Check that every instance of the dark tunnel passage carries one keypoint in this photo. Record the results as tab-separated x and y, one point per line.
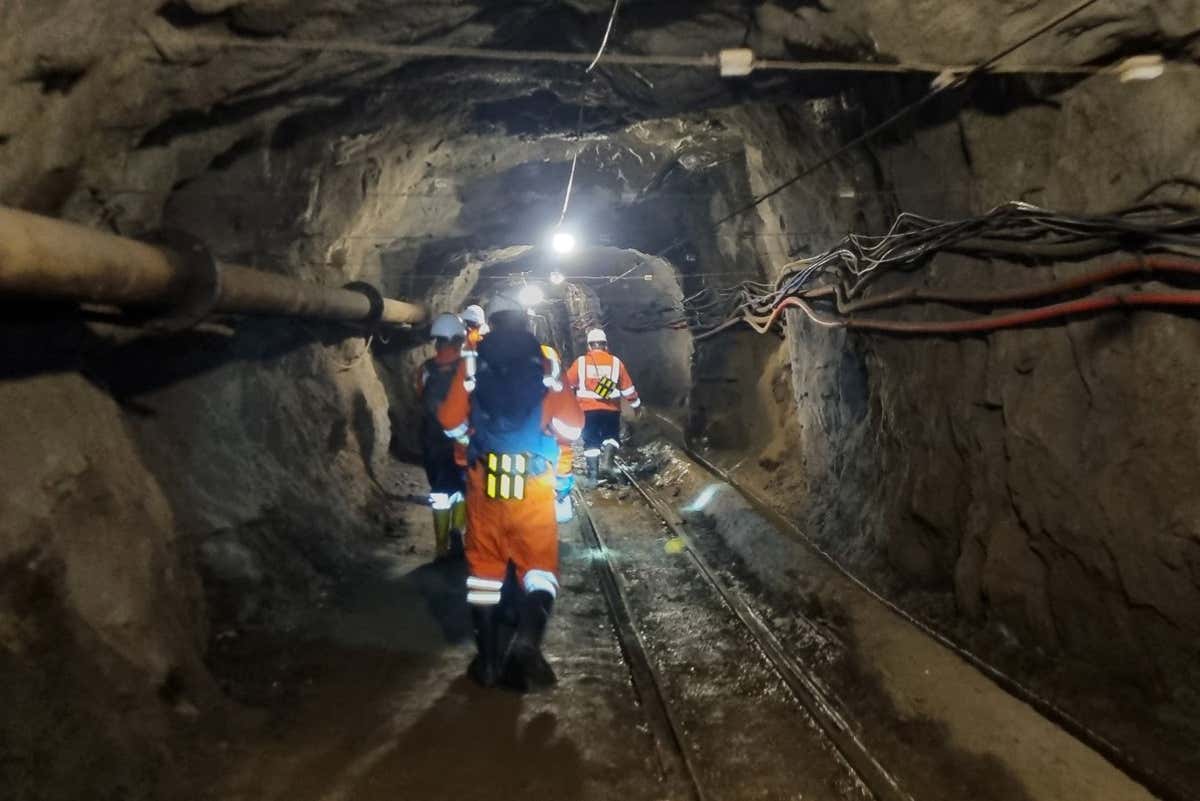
904	297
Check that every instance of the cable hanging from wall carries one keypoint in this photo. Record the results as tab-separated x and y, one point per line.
1166	237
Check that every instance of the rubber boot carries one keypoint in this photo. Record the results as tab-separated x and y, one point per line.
525	668
508	611
484	669
607	461
592	476
441	533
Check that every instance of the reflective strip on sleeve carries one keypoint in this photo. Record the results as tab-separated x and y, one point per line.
590	452
542	580
625	393
458	431
440	500
566	431
483	598
491	585
612	442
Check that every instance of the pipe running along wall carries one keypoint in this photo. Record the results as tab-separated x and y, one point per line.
46	258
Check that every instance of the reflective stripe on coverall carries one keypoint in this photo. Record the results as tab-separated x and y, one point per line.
524	531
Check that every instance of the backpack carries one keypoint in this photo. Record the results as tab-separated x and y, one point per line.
506	406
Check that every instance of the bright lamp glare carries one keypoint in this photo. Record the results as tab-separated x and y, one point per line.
531	295
562	242
703	499
557	278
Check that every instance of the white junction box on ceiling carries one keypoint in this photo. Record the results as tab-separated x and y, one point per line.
736	62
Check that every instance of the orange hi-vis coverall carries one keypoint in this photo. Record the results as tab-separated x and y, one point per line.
566	454
444	356
590	374
522	531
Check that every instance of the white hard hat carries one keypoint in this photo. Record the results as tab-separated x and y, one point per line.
448	326
473	315
597	335
504	302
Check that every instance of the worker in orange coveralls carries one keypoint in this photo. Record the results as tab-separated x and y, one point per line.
601	380
514	422
477	328
444	459
564	510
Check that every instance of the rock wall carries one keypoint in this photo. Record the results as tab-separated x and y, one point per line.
161	490
1040	479
229	472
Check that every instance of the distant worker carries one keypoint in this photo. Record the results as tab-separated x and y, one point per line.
476	324
444	458
513	421
477	328
564	510
600	381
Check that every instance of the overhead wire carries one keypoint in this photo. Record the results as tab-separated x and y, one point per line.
936	91
607	32
526	56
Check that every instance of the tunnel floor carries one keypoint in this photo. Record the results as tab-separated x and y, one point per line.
369	701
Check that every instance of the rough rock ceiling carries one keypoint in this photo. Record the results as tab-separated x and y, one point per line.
124	86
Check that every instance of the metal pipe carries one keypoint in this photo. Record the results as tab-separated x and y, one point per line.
48	258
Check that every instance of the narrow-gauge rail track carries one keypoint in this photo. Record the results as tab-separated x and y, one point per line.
1161	785
678	764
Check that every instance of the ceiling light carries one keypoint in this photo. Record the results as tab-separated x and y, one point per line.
531	295
562	242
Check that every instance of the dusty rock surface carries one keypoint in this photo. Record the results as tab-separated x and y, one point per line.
218	480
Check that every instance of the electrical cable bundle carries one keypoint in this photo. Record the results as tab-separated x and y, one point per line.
840	276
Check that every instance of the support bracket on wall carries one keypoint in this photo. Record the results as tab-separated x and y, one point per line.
203	282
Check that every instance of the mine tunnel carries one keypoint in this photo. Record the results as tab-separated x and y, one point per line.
896	495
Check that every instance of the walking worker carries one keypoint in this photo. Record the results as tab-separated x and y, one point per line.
444	458
564	510
514	420
600	381
477	328
476	325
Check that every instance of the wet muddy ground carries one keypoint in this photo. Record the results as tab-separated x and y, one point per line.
368	700
371	701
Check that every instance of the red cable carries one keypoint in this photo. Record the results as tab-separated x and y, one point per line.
1091	303
1150	264
1088	304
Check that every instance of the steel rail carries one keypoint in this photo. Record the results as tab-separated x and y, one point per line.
665	727
1155	782
804	687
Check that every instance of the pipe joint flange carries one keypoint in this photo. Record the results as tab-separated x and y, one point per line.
373	295
203	283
